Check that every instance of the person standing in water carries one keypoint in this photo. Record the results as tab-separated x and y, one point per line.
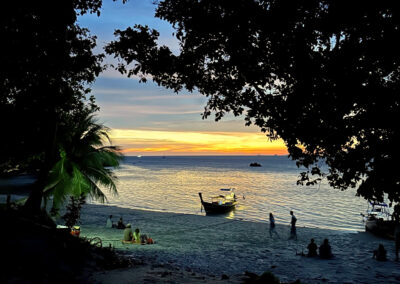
293	233
272	225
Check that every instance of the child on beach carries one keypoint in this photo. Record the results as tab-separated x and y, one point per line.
272	225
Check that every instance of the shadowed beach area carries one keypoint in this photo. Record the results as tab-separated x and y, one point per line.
204	248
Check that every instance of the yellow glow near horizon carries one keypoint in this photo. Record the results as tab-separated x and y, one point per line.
150	142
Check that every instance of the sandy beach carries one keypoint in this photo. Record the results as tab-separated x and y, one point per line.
192	248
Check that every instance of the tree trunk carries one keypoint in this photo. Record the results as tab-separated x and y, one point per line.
34	202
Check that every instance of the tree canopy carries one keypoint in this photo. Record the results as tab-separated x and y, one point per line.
322	75
47	67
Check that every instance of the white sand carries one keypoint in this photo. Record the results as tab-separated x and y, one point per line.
203	246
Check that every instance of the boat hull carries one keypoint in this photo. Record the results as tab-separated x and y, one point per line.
212	208
379	227
217	208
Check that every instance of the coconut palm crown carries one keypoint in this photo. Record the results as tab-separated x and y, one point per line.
85	164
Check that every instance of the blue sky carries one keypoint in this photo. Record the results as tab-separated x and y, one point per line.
150	120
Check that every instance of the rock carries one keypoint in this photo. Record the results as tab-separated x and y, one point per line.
224	277
165	273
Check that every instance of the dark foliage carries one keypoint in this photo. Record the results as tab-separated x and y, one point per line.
47	66
46	62
322	75
265	278
73	213
34	251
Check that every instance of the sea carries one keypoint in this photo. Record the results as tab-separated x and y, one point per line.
172	184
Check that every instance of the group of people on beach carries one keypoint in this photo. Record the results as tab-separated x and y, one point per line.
293	234
119	225
325	250
129	236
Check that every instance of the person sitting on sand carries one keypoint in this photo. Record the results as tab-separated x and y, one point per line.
380	253
136	236
109	223
120	224
312	249
128	234
325	250
139	239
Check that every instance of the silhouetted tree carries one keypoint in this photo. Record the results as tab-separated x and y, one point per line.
322	75
46	68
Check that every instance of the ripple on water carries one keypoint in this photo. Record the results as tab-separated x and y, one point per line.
172	184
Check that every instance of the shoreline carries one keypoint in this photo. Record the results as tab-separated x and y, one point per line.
215	246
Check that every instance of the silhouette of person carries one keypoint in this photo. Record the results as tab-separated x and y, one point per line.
397	231
136	236
272	225
128	234
380	253
325	250
293	234
109	223
312	249
120	224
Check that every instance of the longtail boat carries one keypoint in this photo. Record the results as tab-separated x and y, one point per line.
220	203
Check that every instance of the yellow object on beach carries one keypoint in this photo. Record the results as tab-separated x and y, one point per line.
135	243
129	242
136	236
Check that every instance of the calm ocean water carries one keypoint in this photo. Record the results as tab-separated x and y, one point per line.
171	184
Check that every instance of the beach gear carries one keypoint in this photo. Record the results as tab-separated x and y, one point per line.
76	231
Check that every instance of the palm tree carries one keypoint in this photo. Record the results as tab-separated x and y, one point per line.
84	164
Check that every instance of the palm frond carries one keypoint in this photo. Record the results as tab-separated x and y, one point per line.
84	164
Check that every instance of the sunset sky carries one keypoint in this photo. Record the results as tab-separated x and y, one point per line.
150	120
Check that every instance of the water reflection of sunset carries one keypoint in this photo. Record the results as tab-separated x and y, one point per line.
150	142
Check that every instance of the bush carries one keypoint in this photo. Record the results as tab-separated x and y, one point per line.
74	210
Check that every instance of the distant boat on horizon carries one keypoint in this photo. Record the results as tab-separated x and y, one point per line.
139	156
255	164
